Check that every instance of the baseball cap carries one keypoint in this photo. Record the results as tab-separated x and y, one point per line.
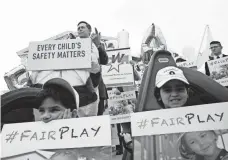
64	84
169	73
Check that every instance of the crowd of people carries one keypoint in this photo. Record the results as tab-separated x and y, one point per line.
82	93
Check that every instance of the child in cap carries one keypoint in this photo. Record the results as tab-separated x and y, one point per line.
171	92
57	100
171	87
201	145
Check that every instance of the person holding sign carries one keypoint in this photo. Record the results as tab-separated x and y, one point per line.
171	87
79	79
59	100
171	92
84	31
216	53
201	145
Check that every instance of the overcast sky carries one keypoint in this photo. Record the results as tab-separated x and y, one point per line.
181	21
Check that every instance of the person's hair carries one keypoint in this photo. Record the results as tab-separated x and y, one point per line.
185	150
87	25
158	95
215	42
57	93
180	60
66	153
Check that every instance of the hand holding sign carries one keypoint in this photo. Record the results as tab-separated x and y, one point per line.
68	114
126	136
96	38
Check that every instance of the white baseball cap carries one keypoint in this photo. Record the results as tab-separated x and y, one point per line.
169	73
63	83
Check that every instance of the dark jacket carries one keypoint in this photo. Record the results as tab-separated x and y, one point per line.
97	78
103	59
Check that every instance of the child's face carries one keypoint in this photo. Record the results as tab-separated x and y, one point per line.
174	94
202	143
51	109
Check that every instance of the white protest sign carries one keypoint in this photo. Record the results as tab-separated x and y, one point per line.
61	36
219	70
61	54
117	74
187	64
69	133
184	119
122	55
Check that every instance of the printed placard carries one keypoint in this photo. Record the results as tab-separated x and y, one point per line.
121	55
219	70
120	106
122	96
115	75
69	133
61	54
61	36
187	64
185	119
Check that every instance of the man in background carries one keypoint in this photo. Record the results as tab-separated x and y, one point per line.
216	53
84	31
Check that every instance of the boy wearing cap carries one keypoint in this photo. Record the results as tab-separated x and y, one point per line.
59	100
171	92
171	87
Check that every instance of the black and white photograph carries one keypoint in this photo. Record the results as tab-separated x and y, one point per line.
114	80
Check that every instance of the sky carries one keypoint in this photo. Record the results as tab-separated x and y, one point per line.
182	22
